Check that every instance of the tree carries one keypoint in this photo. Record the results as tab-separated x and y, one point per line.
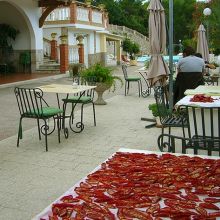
182	19
129	13
215	26
187	15
130	47
212	20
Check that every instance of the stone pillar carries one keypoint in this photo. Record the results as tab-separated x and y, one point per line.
64	55
106	20
90	15
118	51
80	48
103	49
53	47
73	12
81	53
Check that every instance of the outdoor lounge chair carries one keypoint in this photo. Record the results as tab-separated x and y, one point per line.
203	132
32	105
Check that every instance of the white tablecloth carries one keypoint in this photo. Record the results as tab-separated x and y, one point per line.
47	211
186	101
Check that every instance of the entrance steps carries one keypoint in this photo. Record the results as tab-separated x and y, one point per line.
49	65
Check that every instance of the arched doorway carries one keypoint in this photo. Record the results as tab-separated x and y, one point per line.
23	16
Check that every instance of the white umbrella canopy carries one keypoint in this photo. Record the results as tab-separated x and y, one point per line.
158	69
202	45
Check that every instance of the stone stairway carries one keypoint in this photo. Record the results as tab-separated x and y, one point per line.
49	65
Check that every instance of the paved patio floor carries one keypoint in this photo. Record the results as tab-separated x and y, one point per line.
30	178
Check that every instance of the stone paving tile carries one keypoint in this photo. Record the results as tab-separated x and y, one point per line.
7	213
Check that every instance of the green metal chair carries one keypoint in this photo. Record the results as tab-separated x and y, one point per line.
32	105
128	80
82	98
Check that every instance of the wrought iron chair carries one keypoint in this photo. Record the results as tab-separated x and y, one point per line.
211	80
31	104
167	117
130	79
82	98
203	131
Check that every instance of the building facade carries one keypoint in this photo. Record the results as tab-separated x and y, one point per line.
41	24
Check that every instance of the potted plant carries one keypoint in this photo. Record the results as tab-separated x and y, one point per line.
154	110
132	49
102	77
7	34
146	64
156	113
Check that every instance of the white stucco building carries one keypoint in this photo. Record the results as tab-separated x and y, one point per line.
36	20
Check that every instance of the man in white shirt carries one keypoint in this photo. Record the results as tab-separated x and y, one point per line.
190	63
189	73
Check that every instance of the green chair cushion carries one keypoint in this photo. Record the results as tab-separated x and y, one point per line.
78	99
45	112
133	78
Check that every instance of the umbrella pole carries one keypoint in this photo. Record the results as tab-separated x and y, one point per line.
171	54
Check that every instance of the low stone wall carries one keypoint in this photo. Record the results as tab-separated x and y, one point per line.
137	37
97	58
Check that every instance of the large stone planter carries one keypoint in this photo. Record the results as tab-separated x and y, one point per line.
100	89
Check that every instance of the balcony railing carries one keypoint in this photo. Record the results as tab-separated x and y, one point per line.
78	13
59	14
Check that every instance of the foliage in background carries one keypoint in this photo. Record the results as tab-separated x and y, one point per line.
130	47
183	28
7	34
187	16
215	26
129	13
213	21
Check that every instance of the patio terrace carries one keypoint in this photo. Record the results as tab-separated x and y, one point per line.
31	178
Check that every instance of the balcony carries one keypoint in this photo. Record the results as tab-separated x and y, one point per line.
78	13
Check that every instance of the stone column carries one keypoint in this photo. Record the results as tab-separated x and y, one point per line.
80	48
64	55
118	51
53	47
103	49
73	12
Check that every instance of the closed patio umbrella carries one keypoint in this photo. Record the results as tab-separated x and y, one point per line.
202	45
158	69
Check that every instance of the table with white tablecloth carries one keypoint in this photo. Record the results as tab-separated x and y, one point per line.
137	184
215	104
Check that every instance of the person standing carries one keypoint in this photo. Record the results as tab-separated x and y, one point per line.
189	73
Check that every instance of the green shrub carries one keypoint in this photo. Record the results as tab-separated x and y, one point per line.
130	47
100	74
